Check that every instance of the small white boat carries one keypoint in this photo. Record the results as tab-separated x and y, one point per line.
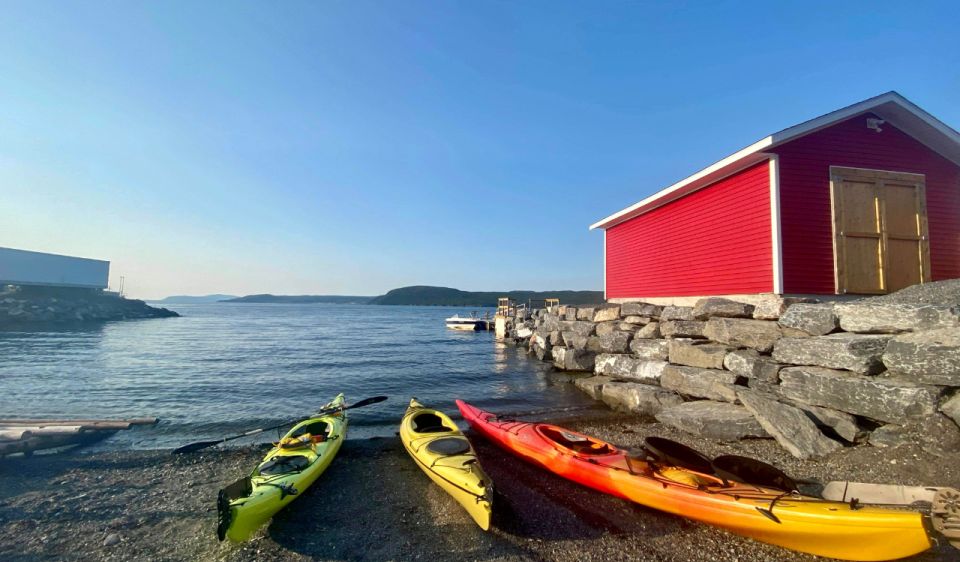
467	323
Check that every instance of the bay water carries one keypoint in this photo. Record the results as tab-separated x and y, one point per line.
223	368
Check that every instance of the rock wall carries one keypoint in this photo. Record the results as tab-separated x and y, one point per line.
814	376
45	305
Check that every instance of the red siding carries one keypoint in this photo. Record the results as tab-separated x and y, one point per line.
714	241
805	197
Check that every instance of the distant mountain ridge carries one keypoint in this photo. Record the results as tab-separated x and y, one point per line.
420	295
445	296
301	299
190	299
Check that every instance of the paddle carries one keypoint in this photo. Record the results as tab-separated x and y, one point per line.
191	447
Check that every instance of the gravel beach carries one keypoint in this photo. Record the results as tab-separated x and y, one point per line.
375	504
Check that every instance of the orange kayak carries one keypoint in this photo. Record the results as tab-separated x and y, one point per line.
808	524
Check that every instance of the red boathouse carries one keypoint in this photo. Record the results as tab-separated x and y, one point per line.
863	200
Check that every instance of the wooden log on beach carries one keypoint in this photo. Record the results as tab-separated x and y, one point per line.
102	423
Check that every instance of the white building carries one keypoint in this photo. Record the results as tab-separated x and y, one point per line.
21	267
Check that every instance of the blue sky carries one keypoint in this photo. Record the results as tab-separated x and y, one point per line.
353	147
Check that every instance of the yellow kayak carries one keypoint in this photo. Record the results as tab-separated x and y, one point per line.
284	474
444	454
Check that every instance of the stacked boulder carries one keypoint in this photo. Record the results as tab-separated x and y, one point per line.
814	376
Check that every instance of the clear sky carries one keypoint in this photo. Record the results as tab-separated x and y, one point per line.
354	147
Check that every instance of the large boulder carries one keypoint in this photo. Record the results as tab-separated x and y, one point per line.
567	359
951	407
935	434
931	357
772	307
738	332
720	307
790	426
637	398
693	354
854	352
676	313
651	350
682	328
628	367
570	313
551	323
606	313
878	398
640	309
615	342
592	386
578	327
585	313
866	317
812	319
711	384
574	340
632	322
524	332
650	331
843	424
749	363
602	328
716	420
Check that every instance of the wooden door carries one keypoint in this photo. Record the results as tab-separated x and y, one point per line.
879	230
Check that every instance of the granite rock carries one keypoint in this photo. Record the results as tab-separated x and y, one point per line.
640	309
859	353
682	329
676	313
878	398
693	354
772	307
628	367
636	398
649	349
567	359
715	420
650	331
592	386
749	363
865	317
711	384
930	357
719	307
756	334
790	426
812	319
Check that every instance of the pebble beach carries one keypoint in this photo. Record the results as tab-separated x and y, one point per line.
375	504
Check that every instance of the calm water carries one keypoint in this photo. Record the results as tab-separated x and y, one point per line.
224	368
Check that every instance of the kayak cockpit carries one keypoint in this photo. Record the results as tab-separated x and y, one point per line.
429	422
283	464
579	444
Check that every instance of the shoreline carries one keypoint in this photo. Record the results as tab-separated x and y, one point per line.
375	504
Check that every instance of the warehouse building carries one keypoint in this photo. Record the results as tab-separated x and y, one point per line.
24	268
863	200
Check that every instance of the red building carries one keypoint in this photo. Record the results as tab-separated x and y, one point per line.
864	200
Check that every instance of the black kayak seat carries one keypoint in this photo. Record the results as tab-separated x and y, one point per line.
449	446
672	453
752	471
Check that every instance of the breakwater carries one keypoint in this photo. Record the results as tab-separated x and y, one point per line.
815	376
26	305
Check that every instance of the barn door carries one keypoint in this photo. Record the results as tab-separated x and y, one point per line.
879	230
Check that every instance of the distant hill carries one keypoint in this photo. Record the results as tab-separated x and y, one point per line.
191	299
445	296
301	299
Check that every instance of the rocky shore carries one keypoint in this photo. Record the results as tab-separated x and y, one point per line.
815	376
375	504
31	305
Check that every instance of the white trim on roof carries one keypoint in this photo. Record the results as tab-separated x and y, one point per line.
900	111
